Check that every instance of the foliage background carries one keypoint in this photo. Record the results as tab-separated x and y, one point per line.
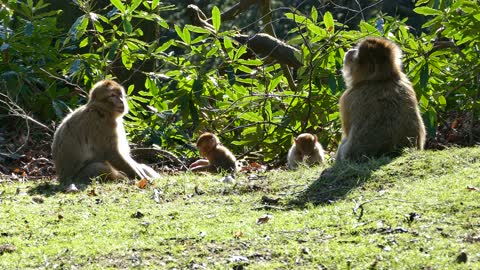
183	80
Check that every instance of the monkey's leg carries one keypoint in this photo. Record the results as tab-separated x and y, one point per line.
95	169
343	149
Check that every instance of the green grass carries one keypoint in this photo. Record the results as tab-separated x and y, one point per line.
411	212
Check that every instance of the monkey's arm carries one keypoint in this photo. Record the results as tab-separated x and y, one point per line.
204	168
200	162
126	164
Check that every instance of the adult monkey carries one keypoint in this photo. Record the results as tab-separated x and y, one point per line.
379	109
91	141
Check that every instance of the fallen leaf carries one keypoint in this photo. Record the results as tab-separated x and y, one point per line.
71	189
228	179
462	257
137	214
264	219
238	259
92	192
142	184
198	191
38	199
7	248
472	188
157	195
268	200
237	234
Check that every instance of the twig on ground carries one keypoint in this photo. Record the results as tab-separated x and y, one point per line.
360	205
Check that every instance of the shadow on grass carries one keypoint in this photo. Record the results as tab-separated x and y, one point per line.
49	188
337	181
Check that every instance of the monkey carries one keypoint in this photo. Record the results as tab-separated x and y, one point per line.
218	157
91	141
379	110
305	148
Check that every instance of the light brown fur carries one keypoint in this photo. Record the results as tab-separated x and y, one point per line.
306	149
379	109
91	141
219	158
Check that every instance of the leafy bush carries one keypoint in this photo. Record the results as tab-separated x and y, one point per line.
202	80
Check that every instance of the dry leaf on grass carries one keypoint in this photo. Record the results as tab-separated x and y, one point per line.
237	234
264	219
472	188
38	199
142	184
72	188
7	248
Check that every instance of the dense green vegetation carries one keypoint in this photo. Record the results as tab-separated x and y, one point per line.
183	79
419	211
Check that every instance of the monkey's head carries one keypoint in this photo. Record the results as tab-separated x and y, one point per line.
372	59
206	143
305	143
109	96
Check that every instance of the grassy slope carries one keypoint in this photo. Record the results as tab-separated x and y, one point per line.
413	212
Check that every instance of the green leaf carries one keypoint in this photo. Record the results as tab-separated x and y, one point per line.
424	75
186	35
241	51
83	43
113	51
135	4
197	29
164	46
427	11
127	26
155	3
329	23
251	117
179	32
442	100
227	43
118	4
314	14
216	18
130	89
367	28
28	30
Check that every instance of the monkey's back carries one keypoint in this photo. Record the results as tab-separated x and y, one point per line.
224	159
384	117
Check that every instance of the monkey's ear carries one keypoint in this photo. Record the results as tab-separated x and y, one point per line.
315	138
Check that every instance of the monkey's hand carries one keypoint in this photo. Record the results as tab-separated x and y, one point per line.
199	163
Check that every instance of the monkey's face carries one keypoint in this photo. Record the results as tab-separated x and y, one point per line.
109	96
349	61
206	146
306	143
118	101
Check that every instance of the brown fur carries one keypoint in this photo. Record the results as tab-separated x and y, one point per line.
307	149
379	109
91	141
219	157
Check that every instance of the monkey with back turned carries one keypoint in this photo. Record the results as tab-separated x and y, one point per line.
379	110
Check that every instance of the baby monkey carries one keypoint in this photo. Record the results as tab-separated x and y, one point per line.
218	157
305	148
